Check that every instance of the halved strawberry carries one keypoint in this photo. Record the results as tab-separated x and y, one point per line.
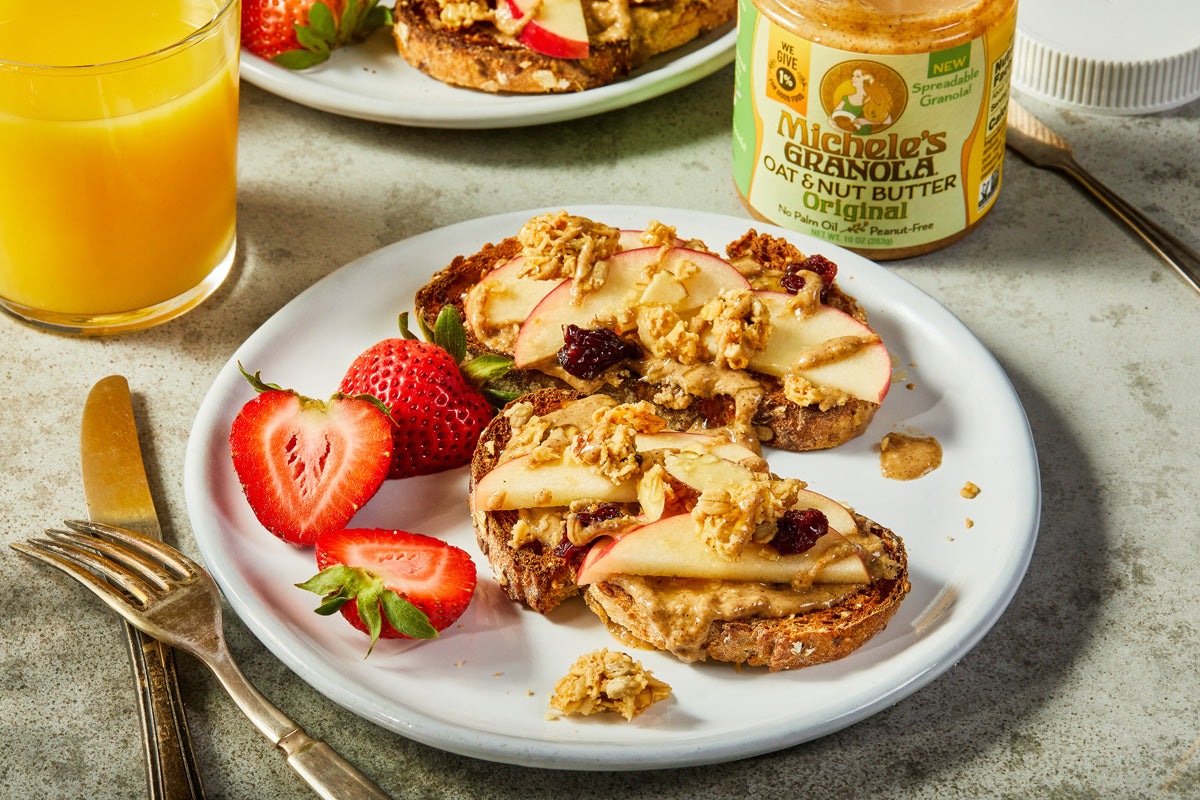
307	466
392	584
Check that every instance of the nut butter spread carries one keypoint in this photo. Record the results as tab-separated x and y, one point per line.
906	457
681	611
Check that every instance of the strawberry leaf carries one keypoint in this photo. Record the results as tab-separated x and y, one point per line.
405	617
300	59
449	333
313	39
341	584
351	17
320	20
408	334
377	17
329	580
498	398
257	382
487	367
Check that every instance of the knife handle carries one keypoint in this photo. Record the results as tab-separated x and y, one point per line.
170	763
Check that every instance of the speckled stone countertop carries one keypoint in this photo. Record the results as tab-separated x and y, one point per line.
1087	686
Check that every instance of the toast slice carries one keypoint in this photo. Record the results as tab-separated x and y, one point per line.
781	415
843	593
460	44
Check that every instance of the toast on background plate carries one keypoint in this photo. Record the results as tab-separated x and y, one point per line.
761	341
548	46
683	541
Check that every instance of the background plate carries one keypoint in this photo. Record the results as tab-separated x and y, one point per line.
371	81
482	689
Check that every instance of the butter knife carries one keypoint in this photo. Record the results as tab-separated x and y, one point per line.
1042	147
117	493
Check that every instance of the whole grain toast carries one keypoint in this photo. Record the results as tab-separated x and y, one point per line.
783	643
541	578
777	422
622	36
535	576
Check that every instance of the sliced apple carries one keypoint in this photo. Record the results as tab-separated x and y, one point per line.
694	442
519	484
555	28
503	297
866	373
705	471
671	548
625	282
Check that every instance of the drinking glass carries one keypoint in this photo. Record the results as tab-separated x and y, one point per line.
118	159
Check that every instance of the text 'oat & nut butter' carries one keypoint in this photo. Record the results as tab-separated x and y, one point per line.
874	124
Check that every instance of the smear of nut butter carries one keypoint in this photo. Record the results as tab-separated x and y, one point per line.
906	457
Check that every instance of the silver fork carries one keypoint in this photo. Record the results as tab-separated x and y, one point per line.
170	597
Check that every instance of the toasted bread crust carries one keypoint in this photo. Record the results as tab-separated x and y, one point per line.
542	580
786	642
778	421
539	579
479	57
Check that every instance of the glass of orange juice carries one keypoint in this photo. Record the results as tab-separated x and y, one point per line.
118	159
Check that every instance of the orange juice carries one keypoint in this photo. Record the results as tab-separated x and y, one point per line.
118	181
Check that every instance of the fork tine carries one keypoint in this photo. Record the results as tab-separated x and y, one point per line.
76	563
151	572
164	554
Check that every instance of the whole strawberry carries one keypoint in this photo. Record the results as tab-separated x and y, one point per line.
306	466
392	584
300	33
437	411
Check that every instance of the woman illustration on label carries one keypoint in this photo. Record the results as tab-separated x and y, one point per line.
864	104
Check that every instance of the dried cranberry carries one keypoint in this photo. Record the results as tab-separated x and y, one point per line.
566	549
793	281
797	531
592	515
589	351
598	512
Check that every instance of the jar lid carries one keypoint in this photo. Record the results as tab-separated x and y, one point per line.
1114	57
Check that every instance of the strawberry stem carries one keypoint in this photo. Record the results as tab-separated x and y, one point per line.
340	584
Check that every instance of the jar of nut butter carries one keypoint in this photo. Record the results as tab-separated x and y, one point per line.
874	124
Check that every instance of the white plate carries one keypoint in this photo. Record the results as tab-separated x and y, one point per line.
482	689
371	81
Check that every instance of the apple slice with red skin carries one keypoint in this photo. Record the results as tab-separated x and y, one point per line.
556	28
512	296
866	373
671	548
518	484
695	442
503	296
542	334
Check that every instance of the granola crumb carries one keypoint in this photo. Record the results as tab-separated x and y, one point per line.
606	680
970	491
970	523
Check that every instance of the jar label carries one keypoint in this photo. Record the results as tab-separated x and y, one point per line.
870	151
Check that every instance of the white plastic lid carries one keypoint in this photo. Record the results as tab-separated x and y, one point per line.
1109	56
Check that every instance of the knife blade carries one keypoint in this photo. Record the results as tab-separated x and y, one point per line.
118	493
1042	147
